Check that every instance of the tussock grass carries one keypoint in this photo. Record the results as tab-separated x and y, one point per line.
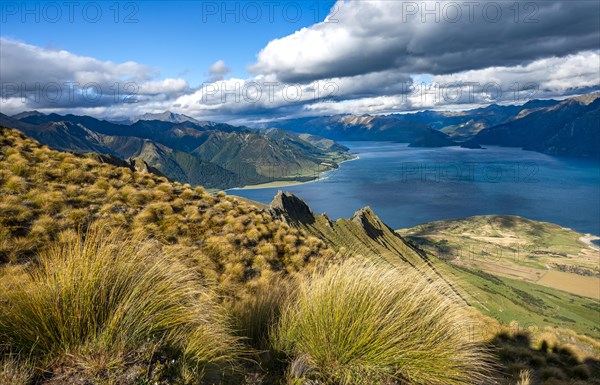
73	191
255	313
15	371
111	293
364	323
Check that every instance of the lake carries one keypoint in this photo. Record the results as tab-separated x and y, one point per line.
410	186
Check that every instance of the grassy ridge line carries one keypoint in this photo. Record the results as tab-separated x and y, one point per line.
44	193
363	235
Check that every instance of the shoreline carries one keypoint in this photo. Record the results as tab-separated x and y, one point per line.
290	183
587	240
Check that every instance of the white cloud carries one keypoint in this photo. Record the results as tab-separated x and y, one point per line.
165	86
218	70
28	63
440	37
40	78
545	78
553	75
393	91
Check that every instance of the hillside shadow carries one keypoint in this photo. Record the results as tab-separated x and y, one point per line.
547	365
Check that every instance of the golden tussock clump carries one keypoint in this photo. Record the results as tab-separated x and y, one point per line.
110	294
358	320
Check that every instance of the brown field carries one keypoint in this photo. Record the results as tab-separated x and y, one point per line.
572	283
503	268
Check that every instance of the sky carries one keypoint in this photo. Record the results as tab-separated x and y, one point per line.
259	61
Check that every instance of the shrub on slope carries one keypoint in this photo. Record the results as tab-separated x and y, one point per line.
360	323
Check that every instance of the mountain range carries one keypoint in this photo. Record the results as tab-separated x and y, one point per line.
214	155
220	155
570	128
369	127
567	128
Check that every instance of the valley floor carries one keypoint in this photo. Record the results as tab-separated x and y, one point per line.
274	184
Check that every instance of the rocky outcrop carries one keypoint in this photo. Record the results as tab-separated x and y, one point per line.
142	166
363	235
134	164
289	208
370	223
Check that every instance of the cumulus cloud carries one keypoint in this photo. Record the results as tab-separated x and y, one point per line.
440	37
29	63
218	70
392	91
166	86
42	78
552	77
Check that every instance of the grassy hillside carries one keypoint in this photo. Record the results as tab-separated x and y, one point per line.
515	306
499	262
516	248
111	275
47	198
45	193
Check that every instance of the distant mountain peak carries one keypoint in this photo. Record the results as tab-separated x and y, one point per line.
586	99
168	116
26	114
358	119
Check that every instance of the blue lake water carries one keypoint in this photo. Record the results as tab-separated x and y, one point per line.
410	186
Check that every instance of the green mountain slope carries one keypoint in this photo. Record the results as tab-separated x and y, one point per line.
569	128
213	155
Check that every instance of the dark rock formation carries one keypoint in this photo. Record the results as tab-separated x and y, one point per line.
290	208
